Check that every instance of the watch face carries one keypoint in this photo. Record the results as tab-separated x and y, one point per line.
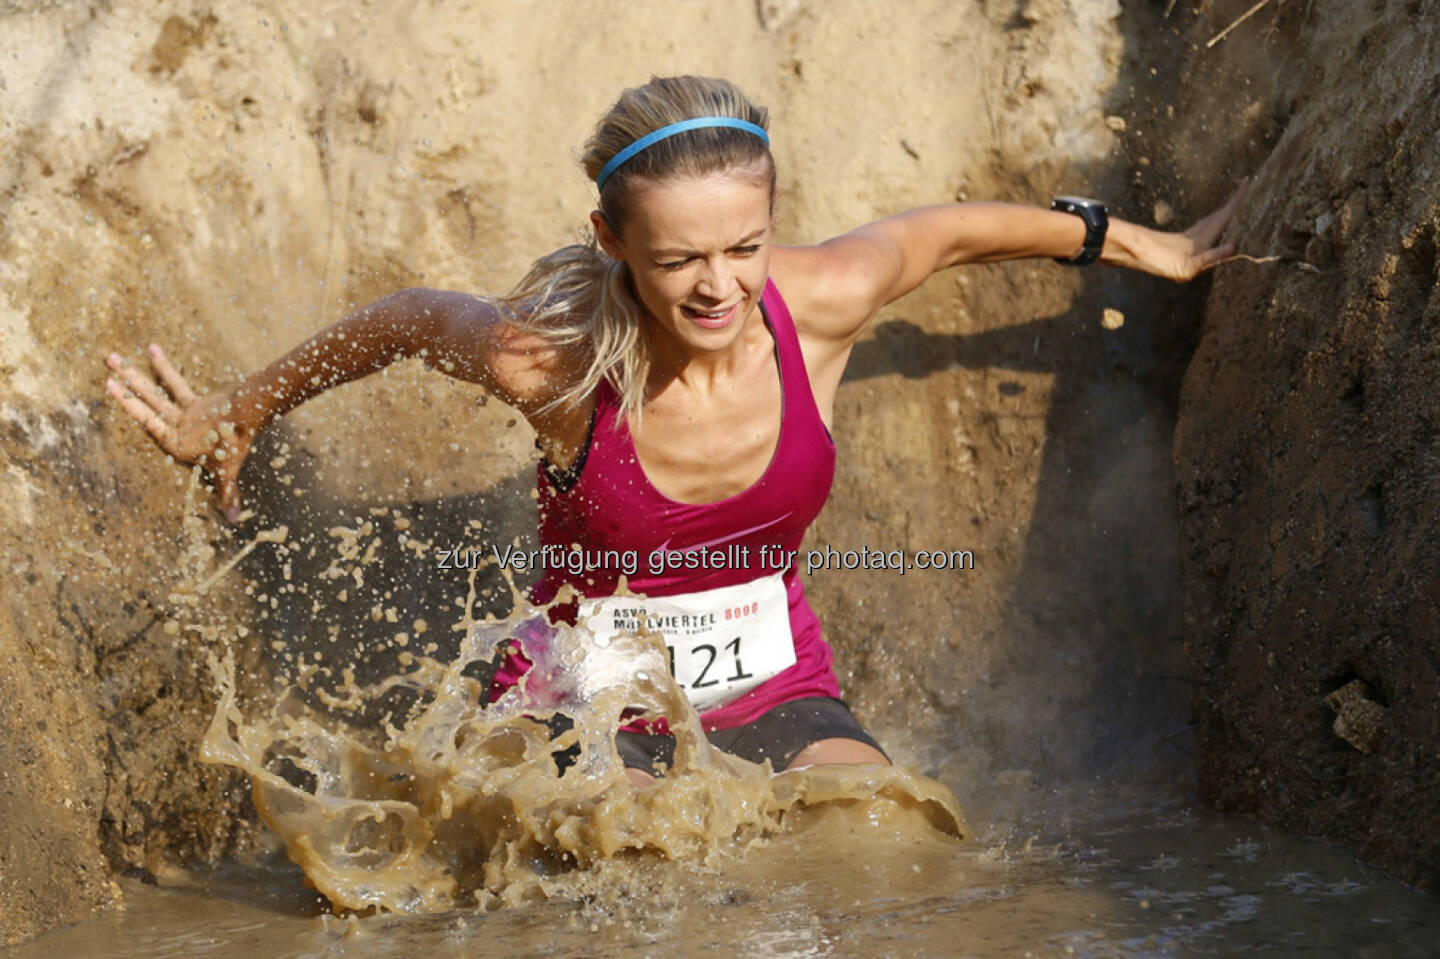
1074	204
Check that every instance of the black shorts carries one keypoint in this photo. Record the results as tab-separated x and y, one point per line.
779	736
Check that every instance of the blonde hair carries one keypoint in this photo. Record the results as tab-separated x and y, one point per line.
578	295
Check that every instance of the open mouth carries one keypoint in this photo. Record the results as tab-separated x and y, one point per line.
711	319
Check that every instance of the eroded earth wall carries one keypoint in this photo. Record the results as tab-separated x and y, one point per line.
1308	446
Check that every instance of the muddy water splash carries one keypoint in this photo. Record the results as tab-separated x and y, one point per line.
457	802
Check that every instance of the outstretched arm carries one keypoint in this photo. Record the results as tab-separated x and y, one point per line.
453	332
854	275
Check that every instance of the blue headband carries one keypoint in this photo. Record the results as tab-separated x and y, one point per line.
663	133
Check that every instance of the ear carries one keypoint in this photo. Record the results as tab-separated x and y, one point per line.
609	242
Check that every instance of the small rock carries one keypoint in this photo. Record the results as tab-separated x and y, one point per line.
1116	123
1358	716
1164	213
1112	319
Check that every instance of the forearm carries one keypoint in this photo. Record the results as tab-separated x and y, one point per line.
990	232
987	232
354	346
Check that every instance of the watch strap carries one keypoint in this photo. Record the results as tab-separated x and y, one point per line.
1096	220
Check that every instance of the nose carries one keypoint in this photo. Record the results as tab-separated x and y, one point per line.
717	279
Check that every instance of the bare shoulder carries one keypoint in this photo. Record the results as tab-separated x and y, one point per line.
834	288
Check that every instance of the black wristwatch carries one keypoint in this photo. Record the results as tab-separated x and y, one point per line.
1096	222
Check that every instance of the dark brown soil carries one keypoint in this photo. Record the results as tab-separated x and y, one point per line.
1307	452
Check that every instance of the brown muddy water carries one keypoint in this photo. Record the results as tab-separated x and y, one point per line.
1143	876
454	819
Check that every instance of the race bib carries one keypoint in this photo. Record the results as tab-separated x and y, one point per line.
722	642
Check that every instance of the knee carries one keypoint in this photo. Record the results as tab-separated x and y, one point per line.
639	778
837	751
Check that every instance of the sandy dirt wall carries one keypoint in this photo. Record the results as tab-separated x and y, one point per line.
1308	446
227	177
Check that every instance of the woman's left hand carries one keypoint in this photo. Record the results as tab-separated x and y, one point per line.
1178	256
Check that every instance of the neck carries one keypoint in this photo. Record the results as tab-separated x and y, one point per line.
703	370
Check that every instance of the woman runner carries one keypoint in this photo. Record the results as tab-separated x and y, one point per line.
680	372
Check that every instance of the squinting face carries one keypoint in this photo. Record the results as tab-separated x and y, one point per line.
698	249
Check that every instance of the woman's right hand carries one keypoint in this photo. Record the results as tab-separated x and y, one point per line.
193	429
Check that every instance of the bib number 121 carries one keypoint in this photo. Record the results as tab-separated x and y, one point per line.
703	665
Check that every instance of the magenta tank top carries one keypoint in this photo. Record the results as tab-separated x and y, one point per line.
611	505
